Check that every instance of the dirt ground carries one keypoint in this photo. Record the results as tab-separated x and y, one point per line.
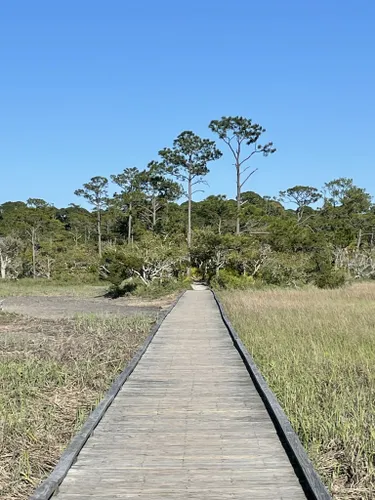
67	307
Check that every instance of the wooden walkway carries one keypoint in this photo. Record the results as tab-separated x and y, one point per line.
188	423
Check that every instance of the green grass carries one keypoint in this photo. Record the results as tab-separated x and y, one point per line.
44	287
316	349
52	373
155	290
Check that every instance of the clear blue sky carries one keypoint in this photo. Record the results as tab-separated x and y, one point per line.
89	88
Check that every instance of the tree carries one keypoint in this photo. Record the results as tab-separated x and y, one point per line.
342	192
346	215
158	190
10	249
130	183
38	217
151	259
209	252
27	220
237	133
302	196
78	222
215	210
96	193
335	191
187	161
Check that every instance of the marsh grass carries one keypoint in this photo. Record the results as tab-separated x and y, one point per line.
316	349
52	373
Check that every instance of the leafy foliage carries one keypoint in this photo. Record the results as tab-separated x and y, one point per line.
146	237
187	161
302	196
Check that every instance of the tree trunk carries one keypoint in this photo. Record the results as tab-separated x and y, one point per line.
238	198
33	244
189	222
189	211
359	240
76	237
99	233
219	227
3	266
49	262
153	213
130	224
299	214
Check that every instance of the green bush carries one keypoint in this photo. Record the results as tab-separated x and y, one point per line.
158	288
286	269
331	278
126	287
120	267
196	273
136	288
229	280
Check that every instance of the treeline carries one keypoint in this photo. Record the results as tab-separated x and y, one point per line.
142	237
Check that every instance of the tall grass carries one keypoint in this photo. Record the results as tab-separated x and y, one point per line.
316	349
52	373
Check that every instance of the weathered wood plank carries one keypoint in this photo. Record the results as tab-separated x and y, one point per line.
187	424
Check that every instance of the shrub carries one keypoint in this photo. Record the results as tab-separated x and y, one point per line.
120	267
161	288
331	278
126	287
286	269
149	260
229	280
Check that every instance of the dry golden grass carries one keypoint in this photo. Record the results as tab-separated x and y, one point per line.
316	349
52	373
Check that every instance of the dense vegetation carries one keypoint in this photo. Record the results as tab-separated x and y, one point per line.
143	235
52	373
316	349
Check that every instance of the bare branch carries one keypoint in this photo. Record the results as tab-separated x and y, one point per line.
248	177
248	158
231	147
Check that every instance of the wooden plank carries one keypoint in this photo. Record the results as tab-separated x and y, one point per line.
47	488
187	424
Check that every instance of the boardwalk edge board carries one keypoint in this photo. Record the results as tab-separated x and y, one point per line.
51	484
310	481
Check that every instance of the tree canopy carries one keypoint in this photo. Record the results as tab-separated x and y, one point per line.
152	230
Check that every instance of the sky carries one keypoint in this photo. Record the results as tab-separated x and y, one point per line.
91	87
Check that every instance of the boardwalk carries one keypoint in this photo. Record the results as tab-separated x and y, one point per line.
188	424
